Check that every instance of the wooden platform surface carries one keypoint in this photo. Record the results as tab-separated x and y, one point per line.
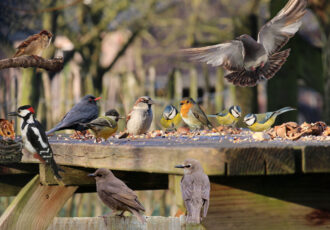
226	155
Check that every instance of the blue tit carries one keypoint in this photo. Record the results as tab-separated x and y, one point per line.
228	117
263	121
104	126
171	118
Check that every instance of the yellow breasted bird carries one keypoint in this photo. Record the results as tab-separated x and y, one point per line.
170	117
104	126
193	115
228	117
263	121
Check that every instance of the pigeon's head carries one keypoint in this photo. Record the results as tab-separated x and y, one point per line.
235	111
90	99
170	112
250	119
190	165
113	114
101	174
24	112
144	102
246	38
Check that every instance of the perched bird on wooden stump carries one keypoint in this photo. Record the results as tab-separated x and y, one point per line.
193	115
104	126
34	138
228	117
83	112
195	189
263	121
138	121
7	129
35	44
171	118
248	61
116	195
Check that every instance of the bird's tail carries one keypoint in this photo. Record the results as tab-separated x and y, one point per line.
274	63
56	128
141	218
283	110
56	169
17	54
194	217
243	78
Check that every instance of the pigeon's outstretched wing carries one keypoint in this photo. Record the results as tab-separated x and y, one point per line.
229	55
277	32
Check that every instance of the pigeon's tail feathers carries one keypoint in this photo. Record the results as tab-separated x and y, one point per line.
56	169
56	128
243	78
284	110
275	63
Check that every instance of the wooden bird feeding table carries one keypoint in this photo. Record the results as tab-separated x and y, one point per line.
255	185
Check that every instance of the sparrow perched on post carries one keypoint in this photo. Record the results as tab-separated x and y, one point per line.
116	195
35	44
83	112
263	121
138	121
249	61
170	117
228	117
104	126
195	189
193	115
34	138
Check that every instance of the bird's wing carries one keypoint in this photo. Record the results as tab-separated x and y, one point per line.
200	115
103	122
186	187
277	32
80	114
129	116
119	191
229	55
28	41
263	117
37	137
206	194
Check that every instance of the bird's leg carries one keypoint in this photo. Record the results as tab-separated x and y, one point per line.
121	214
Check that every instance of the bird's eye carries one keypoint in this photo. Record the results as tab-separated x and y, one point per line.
8	133
98	175
188	166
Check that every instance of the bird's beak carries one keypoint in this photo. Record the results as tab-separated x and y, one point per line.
121	117
13	114
98	98
92	175
151	102
179	166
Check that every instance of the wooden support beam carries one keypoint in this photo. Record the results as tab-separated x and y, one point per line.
35	206
127	223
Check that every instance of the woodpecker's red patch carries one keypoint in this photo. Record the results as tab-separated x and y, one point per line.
31	110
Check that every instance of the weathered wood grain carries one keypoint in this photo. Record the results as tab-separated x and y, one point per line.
35	206
118	223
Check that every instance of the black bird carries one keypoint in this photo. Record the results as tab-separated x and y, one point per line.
249	61
83	112
34	138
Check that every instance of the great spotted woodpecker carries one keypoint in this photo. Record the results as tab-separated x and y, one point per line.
34	138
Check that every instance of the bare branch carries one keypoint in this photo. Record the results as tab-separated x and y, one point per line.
53	65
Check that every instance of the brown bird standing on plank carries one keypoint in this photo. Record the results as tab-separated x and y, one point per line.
116	195
35	44
195	189
249	61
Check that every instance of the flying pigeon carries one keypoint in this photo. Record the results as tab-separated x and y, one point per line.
248	61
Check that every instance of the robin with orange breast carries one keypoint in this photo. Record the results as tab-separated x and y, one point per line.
193	115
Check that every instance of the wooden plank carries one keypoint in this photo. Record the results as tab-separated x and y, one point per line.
118	223
273	202
75	176
158	159
35	206
316	159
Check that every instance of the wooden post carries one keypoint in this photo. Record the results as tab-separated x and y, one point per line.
219	86
177	85
35	206
193	84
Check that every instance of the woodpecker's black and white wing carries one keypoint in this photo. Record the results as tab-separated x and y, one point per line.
37	138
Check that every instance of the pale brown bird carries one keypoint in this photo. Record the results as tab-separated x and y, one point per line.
248	61
116	195
195	189
35	44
